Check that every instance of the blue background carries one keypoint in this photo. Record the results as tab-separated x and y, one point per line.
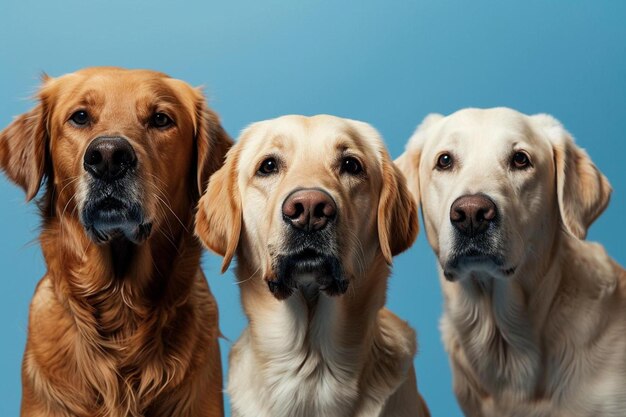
385	62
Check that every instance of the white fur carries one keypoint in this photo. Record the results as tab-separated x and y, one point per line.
549	340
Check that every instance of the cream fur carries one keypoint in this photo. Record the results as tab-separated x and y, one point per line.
550	339
313	354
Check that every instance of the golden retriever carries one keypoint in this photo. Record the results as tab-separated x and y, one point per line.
535	316
123	323
314	209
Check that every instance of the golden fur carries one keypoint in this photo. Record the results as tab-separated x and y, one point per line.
119	329
314	354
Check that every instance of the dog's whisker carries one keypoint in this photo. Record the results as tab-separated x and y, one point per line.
165	203
360	254
239	282
63	212
170	240
170	236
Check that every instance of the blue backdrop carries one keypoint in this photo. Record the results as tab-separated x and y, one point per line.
386	62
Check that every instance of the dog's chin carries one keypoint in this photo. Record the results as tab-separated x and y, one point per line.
309	271
110	218
476	264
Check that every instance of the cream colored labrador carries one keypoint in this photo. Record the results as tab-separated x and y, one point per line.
314	209
535	316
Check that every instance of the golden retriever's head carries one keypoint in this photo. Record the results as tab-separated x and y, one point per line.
494	186
307	201
122	149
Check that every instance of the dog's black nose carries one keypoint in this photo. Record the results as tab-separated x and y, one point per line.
309	209
471	214
109	158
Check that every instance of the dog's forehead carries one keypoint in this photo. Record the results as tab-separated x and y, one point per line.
95	84
498	128
316	135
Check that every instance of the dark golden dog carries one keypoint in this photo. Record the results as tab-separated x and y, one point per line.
123	323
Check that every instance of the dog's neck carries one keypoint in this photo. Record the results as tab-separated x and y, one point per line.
503	326
328	346
314	317
119	282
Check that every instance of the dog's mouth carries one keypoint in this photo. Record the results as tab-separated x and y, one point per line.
310	270
109	217
472	261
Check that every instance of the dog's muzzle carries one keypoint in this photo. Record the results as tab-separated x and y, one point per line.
475	222
309	258
112	205
307	269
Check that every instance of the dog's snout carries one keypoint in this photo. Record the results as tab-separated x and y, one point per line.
472	214
309	209
109	158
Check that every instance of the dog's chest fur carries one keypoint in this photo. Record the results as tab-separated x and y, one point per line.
571	363
294	365
112	356
493	329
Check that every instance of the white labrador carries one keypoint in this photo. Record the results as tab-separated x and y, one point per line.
535	316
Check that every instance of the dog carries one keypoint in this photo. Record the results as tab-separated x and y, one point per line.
534	315
314	209
123	322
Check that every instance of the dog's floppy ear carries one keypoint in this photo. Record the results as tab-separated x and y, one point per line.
23	147
409	161
583	192
408	164
397	212
218	221
212	142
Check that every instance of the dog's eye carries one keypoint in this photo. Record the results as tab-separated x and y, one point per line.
161	120
80	118
268	166
351	165
520	160
444	161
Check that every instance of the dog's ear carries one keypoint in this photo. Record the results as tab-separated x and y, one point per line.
218	221
23	148
397	212
583	192
408	164
409	161
212	142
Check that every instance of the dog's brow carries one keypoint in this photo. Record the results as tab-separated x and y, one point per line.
455	137
89	98
168	98
162	93
353	140
344	144
342	147
278	142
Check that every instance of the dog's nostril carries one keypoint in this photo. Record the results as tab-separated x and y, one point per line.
293	210
94	158
319	210
457	215
489	213
327	210
298	210
121	157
